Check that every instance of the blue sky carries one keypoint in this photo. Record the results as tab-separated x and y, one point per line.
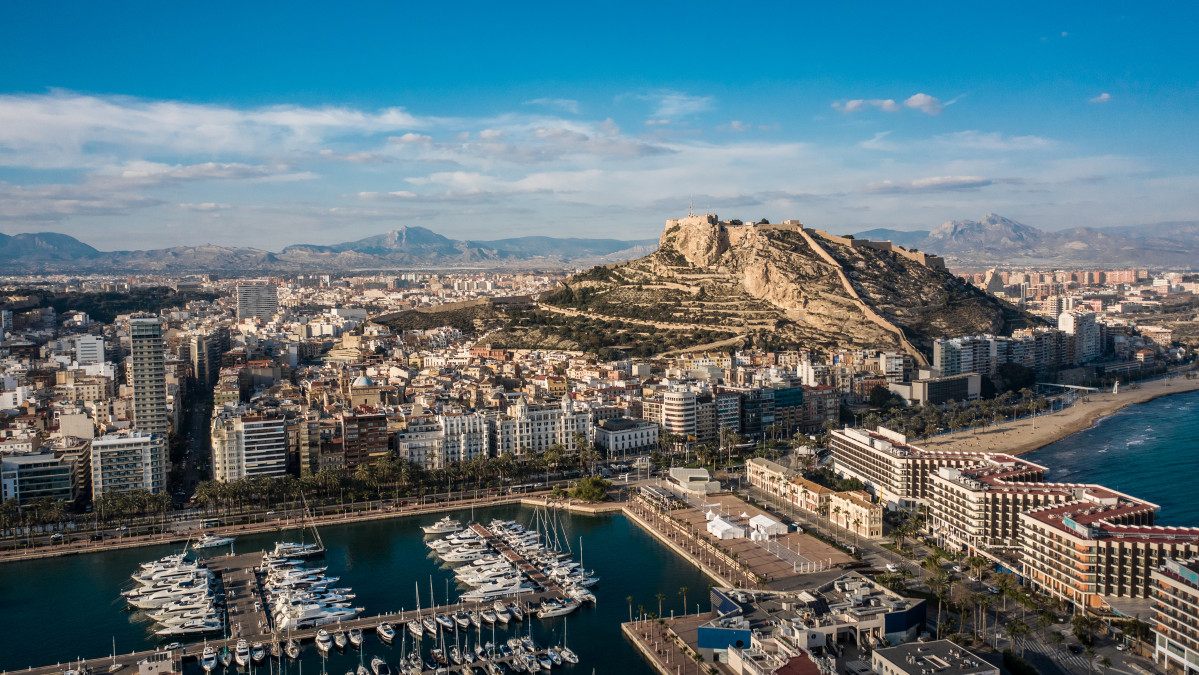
137	125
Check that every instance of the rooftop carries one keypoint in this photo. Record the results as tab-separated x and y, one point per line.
936	656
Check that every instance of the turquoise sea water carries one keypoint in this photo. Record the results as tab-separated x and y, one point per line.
59	609
1150	451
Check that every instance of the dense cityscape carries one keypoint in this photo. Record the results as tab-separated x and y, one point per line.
475	339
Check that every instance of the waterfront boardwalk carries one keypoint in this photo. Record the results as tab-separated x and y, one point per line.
670	646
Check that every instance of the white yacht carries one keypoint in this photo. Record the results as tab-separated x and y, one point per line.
241	654
212	541
443	526
208	660
324	643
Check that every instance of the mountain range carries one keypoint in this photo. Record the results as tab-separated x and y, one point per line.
989	241
995	240
402	247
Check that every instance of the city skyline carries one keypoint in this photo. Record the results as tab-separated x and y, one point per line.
142	129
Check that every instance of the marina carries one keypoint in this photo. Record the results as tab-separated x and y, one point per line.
380	561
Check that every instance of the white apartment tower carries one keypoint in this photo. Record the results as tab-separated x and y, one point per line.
89	350
257	301
248	446
147	375
129	461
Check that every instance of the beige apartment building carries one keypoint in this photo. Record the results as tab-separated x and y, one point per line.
855	511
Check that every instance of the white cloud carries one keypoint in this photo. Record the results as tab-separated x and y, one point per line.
878	142
206	207
411	139
1102	98
66	130
565	104
858	104
932	184
652	123
673	104
929	105
491	134
990	141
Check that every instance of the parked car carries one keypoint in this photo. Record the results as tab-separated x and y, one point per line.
892	568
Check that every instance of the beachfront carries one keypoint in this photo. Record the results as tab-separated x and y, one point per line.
1025	435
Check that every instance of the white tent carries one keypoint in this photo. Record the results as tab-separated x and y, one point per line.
767	526
723	529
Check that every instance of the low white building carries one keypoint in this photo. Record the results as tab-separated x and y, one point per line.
694	481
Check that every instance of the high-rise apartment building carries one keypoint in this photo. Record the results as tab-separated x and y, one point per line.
257	301
1088	342
248	446
147	375
129	461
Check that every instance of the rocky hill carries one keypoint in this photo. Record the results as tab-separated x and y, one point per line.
715	283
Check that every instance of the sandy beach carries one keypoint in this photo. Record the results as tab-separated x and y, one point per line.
1027	435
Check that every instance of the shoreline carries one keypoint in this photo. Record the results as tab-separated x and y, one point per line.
1022	436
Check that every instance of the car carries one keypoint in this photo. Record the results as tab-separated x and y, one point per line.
892	568
973	578
171	646
992	590
270	513
957	568
1076	649
122	528
57	536
1121	647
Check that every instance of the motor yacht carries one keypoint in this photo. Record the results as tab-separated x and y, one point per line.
324	643
241	654
212	541
443	526
208	659
386	632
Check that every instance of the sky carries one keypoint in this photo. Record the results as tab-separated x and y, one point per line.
143	125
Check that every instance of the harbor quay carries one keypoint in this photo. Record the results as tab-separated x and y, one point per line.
284	521
738	563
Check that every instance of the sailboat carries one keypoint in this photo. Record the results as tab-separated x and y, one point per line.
115	666
565	652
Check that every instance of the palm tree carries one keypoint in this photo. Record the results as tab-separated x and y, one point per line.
1057	639
661	597
1106	663
1044	621
983	602
630	599
683	592
857	522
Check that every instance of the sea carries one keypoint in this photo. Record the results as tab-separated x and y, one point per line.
61	609
1148	450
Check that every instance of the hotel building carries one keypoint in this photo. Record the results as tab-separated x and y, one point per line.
1099	547
1176	616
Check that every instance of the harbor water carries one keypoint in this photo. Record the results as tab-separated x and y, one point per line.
64	608
1149	450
